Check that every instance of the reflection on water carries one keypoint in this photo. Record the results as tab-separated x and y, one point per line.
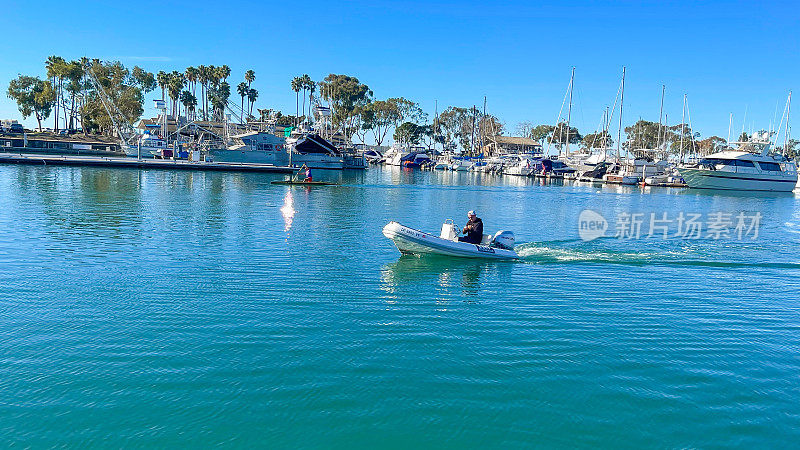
287	210
445	272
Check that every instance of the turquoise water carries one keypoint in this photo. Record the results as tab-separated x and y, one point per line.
173	309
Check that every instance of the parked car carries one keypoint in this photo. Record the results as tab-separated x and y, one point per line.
16	128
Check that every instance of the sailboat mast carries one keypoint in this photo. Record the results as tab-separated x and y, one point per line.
683	125
621	102
788	109
435	122
483	124
569	108
474	114
730	124
660	115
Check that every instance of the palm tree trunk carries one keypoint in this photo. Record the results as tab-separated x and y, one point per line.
296	107
55	115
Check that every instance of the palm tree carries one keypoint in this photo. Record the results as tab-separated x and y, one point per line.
162	79
305	80
202	77
55	69
219	98
224	72
189	102
174	87
249	76
191	78
241	88
312	86
252	95
296	86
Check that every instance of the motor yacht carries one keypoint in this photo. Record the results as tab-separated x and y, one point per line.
750	167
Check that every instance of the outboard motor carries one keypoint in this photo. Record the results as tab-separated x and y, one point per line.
504	239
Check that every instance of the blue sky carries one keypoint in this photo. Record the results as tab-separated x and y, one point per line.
727	56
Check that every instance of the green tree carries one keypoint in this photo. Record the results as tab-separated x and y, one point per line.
56	67
379	116
33	96
223	72
218	96
541	132
489	126
189	102
73	74
558	137
117	87
597	140
453	123
192	75
644	135
144	79
792	150
252	95
345	94
409	133
296	87
175	84
524	129
249	76
306	83
162	79
242	89
712	144
685	145
203	78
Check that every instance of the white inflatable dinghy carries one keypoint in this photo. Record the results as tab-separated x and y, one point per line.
411	241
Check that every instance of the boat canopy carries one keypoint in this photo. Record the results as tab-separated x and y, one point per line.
314	143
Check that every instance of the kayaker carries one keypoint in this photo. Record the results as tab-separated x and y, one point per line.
473	230
308	177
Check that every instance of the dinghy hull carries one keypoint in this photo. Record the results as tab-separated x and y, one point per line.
411	241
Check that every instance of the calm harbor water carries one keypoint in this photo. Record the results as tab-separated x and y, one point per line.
171	309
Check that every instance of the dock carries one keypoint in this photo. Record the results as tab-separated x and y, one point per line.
134	163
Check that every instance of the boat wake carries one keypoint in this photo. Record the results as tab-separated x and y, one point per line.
569	252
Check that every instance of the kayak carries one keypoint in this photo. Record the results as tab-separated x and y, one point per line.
416	242
304	183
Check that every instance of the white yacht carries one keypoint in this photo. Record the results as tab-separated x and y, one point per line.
147	146
519	165
634	171
394	156
749	168
259	147
461	165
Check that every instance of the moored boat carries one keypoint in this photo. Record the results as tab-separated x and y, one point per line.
743	170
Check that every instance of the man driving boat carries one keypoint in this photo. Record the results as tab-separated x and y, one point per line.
473	229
